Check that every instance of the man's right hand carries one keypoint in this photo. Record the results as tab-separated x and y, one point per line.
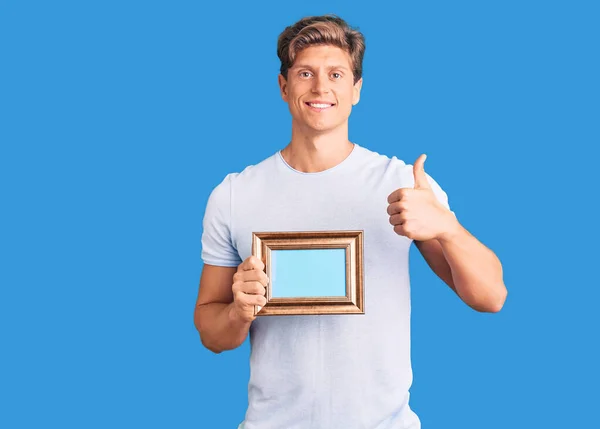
248	288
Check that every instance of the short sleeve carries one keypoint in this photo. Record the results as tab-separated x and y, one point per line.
217	243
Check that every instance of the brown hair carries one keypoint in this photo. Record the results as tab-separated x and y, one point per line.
321	30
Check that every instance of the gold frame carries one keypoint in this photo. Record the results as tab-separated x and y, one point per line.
352	241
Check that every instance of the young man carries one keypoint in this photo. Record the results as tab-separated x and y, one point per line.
331	371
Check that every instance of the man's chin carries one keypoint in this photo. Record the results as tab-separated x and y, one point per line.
321	128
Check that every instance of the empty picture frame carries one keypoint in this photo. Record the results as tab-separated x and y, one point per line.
311	272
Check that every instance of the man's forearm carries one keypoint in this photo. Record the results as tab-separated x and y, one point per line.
476	270
219	330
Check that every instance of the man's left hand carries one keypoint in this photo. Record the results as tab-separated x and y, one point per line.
416	212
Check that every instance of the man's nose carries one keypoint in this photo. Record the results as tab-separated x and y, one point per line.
321	84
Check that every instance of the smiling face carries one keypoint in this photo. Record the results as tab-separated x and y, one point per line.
320	89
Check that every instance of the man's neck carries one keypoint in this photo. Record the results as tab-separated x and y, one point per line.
312	153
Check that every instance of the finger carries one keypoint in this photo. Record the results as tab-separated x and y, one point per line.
253	288
421	181
252	263
258	300
249	288
398	219
259	276
251	275
249	300
398	195
397	207
401	230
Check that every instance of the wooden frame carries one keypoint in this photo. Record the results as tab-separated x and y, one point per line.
352	241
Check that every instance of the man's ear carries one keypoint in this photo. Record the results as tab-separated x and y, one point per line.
283	87
356	92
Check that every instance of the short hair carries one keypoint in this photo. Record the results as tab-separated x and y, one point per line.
321	30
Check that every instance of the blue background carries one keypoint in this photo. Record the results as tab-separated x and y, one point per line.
117	119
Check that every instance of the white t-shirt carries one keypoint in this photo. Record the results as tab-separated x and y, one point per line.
324	371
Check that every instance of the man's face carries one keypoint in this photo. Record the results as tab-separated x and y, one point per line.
320	89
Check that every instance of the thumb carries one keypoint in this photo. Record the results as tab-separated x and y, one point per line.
421	181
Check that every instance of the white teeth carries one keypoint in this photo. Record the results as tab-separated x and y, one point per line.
320	106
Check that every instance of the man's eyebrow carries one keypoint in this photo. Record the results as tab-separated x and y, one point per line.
306	66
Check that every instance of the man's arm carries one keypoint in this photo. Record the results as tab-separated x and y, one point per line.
225	306
212	317
471	269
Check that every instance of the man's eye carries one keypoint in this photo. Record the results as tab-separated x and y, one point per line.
305	74
336	75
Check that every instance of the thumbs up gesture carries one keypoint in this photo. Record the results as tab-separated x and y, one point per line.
416	212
